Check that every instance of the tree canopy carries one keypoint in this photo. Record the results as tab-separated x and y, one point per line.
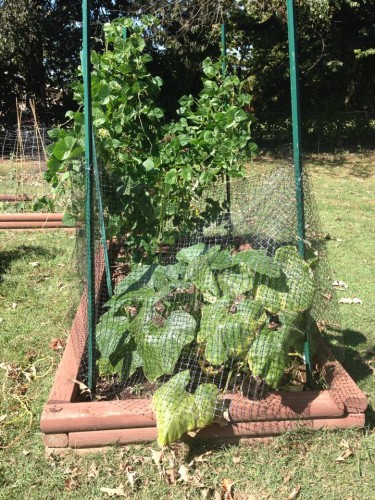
41	42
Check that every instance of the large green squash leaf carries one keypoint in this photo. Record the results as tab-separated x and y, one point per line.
258	261
293	290
225	333
234	282
160	347
178	412
111	332
139	276
123	361
200	274
268	355
187	255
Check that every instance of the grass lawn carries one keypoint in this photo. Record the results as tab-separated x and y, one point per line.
37	297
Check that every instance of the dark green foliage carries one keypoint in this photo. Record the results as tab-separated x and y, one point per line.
154	171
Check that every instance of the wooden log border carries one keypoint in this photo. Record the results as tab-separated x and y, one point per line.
66	423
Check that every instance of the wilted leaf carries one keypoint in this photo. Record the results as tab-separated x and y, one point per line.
34	264
3	417
114	492
26	452
294	493
178	411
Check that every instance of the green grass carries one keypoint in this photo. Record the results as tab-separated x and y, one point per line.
24	179
44	296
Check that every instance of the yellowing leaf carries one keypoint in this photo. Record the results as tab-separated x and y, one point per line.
178	412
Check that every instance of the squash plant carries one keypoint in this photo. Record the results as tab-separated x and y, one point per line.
223	307
154	172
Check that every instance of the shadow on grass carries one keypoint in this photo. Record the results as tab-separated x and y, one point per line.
362	168
18	253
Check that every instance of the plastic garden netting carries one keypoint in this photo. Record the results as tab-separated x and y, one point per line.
222	313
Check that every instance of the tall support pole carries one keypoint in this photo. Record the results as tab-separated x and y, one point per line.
224	72
89	183
296	124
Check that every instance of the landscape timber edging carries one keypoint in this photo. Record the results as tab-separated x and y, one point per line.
66	423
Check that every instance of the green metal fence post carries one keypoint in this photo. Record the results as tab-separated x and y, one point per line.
224	72
296	124
90	259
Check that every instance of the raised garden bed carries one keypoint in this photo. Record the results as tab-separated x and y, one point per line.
67	422
32	220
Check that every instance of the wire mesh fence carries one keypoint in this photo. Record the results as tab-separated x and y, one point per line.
223	313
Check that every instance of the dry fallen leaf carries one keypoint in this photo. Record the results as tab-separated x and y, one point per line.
114	492
200	458
227	487
56	344
170	476
30	373
93	471
348	300
70	483
184	473
157	456
356	300
340	285
3	417
347	453
82	387
294	493
131	478
205	492
217	495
